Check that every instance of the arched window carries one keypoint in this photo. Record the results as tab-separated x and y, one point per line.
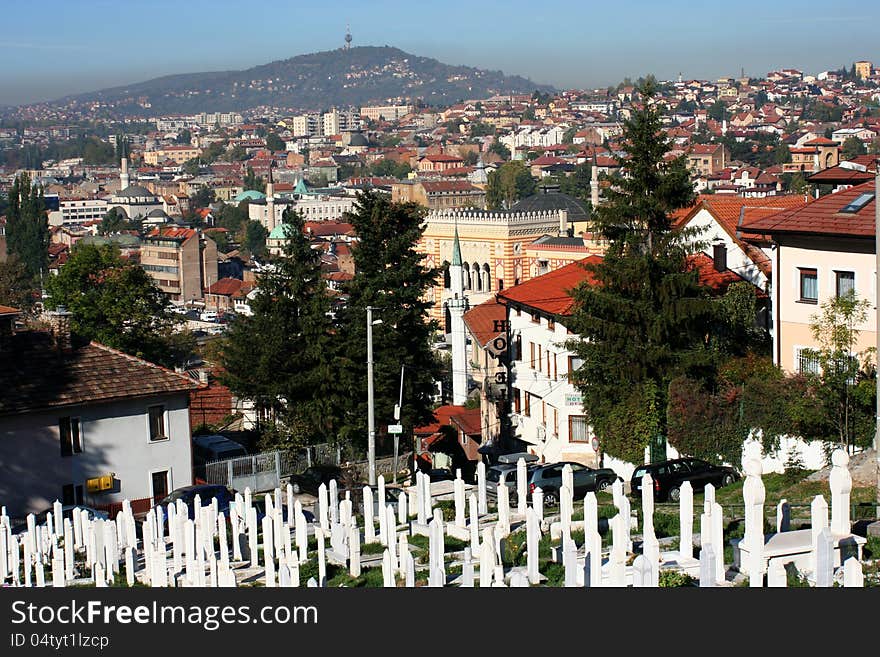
477	281
447	317
466	275
447	281
487	278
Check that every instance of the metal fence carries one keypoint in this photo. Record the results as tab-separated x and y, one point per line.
267	470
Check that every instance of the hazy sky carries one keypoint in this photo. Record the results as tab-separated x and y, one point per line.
51	48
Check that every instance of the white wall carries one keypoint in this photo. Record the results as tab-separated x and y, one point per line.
115	438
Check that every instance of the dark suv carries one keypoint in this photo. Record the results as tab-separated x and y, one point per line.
311	479
668	477
548	478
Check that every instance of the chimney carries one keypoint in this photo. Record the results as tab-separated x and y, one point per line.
563	223
59	327
719	255
203	376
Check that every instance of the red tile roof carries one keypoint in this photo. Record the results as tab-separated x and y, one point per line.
469	421
173	233
822	216
821	141
9	310
225	287
551	293
481	320
35	376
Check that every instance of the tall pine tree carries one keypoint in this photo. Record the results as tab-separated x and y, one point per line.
280	356
647	317
27	226
390	275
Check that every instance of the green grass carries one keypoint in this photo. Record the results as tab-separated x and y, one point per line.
372	548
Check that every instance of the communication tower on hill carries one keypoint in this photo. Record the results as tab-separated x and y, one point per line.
347	38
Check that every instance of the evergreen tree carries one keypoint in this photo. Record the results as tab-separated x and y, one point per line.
645	317
27	226
17	287
511	182
390	276
253	181
116	302
280	356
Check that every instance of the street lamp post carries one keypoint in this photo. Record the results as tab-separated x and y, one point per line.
371	419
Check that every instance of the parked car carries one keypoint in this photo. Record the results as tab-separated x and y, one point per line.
668	477
548	477
66	512
208	316
311	479
507	466
215	448
441	474
206	493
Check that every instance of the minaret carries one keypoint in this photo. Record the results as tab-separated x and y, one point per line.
270	202
457	307
123	174
594	185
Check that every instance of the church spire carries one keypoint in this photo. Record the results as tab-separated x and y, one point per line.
456	249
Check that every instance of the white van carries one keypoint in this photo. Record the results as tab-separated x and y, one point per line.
208	316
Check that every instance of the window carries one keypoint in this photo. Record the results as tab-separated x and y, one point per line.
555	373
578	429
574	364
809	285
551	324
532	355
807	361
536	318
159	483
516	400
540	359
555	420
157	423
527	398
517	346
71	440
71	494
845	283
858	203
500	283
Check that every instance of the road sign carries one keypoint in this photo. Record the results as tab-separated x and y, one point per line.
395	428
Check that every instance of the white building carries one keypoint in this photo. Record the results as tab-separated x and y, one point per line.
81	210
547	412
71	413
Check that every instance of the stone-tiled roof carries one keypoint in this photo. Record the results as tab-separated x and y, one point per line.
36	376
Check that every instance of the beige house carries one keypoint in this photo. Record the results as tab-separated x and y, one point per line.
820	250
439	194
182	261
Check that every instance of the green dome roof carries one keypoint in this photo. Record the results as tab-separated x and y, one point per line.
250	195
280	232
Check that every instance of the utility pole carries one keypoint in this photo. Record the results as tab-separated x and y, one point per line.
877	326
371	419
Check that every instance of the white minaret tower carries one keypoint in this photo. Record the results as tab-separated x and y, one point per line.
270	203
457	305
123	174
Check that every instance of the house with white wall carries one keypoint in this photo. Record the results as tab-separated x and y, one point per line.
547	413
73	412
820	250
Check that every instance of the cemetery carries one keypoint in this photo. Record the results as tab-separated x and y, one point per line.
469	536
